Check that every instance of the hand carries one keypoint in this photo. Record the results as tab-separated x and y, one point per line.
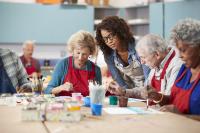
114	88
106	81
143	92
153	94
169	108
26	88
67	86
34	75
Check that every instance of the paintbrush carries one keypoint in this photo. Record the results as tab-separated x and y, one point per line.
147	103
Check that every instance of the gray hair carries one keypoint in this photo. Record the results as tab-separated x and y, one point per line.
82	39
187	30
152	43
28	42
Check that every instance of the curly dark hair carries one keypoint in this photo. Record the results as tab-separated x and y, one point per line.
117	26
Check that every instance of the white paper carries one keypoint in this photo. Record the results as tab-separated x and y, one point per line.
144	111
118	110
136	100
131	110
131	100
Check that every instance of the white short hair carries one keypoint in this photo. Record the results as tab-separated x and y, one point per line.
28	42
152	43
84	39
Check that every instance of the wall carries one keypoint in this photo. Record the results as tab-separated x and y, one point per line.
49	25
43	23
180	10
163	16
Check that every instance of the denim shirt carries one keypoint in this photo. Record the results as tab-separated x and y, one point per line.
115	72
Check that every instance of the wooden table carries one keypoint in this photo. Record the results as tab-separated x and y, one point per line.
10	122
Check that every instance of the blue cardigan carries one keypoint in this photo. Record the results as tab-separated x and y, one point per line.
61	70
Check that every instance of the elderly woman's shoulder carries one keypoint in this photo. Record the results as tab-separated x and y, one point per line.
62	62
5	50
181	70
92	63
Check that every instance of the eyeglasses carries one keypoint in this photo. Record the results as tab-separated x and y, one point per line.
109	37
148	58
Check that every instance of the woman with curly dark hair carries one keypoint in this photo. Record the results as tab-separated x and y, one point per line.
115	39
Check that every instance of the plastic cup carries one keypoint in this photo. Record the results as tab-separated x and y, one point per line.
96	109
123	101
97	94
76	97
113	100
86	101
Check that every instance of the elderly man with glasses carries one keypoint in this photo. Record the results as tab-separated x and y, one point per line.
164	63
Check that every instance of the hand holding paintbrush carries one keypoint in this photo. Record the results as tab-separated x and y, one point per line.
114	88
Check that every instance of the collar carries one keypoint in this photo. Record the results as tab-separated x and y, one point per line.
83	68
162	64
131	51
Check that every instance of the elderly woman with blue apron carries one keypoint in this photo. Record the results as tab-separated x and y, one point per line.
185	92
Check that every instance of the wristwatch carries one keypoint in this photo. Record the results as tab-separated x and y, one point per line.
160	100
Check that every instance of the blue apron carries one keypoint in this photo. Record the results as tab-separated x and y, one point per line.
6	85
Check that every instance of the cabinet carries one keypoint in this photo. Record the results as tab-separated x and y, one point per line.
102	11
137	17
165	15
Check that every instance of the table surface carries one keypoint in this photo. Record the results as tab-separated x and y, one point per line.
10	122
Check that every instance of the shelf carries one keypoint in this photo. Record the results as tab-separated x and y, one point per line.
137	37
65	4
138	6
138	22
130	22
97	21
136	16
101	12
106	7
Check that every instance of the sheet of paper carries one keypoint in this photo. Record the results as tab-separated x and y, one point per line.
130	110
143	110
118	111
129	100
136	100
